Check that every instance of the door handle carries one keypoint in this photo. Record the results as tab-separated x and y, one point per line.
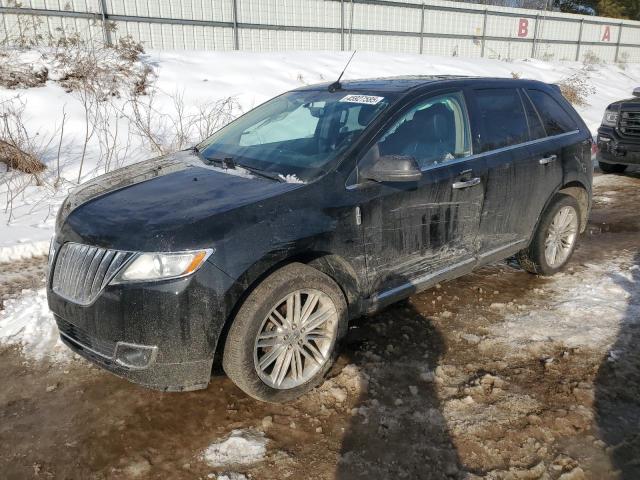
466	184
548	160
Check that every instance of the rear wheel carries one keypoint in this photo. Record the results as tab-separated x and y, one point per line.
555	238
612	167
284	337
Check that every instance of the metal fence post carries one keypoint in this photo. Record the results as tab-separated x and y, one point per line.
535	36
342	25
422	30
351	26
484	31
619	40
106	32
579	40
236	36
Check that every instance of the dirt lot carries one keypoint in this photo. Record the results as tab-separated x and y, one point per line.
498	375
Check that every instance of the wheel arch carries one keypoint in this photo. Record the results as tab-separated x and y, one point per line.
332	265
579	192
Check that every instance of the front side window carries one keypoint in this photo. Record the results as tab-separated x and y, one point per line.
556	120
299	133
502	118
434	131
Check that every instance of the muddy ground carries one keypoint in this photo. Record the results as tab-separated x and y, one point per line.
479	378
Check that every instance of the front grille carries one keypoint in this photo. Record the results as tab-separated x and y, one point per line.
630	124
105	348
82	271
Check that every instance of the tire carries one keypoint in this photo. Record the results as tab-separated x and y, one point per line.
534	258
259	315
612	167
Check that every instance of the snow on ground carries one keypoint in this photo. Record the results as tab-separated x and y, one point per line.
23	250
585	309
251	78
28	323
240	447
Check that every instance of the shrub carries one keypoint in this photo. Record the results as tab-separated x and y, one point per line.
576	88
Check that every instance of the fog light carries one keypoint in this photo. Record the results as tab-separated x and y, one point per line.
134	356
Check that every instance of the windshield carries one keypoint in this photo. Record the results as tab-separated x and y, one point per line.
296	135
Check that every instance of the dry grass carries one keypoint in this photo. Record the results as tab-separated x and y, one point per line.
17	159
17	148
577	88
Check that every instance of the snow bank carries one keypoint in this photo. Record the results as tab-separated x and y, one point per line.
585	309
28	323
23	251
241	447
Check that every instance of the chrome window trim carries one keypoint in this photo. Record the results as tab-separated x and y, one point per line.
500	150
477	156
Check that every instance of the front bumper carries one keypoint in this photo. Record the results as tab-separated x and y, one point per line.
169	328
612	148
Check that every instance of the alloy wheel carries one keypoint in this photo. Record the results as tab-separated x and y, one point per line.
295	339
561	236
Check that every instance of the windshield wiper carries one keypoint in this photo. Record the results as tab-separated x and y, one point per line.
229	163
262	173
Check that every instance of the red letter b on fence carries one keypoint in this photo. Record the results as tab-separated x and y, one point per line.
523	27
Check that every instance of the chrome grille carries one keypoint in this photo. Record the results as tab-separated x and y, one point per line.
630	124
82	271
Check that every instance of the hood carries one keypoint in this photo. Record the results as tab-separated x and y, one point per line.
160	205
631	104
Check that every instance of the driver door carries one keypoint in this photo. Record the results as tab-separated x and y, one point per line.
420	232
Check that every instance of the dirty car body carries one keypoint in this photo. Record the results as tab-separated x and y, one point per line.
469	198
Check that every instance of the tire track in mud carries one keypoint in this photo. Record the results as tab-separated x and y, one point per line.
443	385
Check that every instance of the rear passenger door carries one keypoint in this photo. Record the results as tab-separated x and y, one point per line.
524	149
502	135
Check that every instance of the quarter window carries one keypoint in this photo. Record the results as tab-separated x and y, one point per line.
502	118
556	120
433	132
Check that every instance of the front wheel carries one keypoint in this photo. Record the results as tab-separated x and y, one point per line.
612	167
284	338
555	238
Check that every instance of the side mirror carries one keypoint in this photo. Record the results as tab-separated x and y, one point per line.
393	168
636	92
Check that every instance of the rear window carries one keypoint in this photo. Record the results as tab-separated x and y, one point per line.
502	118
555	119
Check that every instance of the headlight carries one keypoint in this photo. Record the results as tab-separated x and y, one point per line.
161	266
610	118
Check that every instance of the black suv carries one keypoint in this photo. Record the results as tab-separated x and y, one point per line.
619	135
318	206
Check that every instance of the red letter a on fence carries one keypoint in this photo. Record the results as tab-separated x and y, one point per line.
606	37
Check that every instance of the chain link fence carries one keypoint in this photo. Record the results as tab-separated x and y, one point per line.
431	27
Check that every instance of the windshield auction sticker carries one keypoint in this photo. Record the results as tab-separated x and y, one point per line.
364	99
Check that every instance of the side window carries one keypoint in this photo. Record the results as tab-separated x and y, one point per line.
536	129
556	120
433	132
502	118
